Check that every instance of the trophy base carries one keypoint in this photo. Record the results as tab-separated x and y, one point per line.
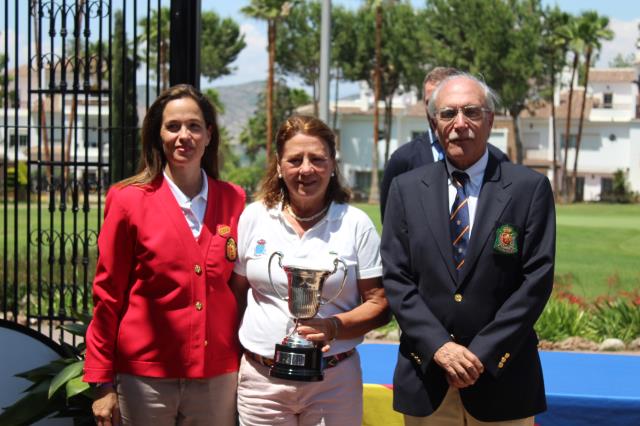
302	363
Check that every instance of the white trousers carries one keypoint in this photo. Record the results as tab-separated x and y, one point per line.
185	402
334	401
452	413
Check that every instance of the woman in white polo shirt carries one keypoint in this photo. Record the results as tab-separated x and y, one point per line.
302	212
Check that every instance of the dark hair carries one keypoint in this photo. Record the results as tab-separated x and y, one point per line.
273	189
153	160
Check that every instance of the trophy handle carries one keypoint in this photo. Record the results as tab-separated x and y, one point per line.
280	255
344	280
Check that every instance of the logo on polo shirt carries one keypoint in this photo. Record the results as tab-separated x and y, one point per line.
260	249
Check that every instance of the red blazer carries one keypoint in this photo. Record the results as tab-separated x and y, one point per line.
162	306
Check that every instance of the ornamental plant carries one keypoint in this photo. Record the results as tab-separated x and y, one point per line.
561	319
567	315
619	318
57	388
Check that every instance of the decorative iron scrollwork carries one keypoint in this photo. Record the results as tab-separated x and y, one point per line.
53	237
51	8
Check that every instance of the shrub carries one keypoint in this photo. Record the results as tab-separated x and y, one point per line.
567	315
561	319
17	177
621	190
619	318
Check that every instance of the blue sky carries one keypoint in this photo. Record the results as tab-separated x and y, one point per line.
251	65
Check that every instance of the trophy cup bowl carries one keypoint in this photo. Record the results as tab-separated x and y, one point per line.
296	358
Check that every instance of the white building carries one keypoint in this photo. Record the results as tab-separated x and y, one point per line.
79	129
610	138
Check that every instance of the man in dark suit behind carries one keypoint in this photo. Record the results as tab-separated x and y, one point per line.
424	148
468	254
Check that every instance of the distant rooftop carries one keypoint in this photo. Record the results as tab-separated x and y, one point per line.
612	75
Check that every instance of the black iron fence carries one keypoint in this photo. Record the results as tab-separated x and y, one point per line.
77	78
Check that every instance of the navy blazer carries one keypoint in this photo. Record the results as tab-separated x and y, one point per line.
489	307
412	155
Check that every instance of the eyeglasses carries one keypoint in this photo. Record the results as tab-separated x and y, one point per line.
472	112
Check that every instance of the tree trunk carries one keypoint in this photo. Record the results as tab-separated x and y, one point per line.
388	120
574	176
335	103
515	118
40	104
565	182
271	24
314	94
554	141
374	192
74	100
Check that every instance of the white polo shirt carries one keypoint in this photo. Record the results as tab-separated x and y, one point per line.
192	208
345	232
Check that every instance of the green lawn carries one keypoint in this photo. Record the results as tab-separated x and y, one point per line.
48	223
598	247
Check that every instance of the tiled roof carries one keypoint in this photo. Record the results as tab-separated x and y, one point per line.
612	75
543	109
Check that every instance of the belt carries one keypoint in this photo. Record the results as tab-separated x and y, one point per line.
327	362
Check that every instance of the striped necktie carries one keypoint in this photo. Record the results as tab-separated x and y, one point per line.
459	219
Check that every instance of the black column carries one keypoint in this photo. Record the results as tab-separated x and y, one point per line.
185	42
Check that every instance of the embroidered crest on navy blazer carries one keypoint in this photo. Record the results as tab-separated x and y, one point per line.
506	241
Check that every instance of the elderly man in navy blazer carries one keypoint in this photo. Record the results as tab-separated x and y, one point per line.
424	148
468	249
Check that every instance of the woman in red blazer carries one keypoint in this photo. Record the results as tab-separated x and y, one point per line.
162	345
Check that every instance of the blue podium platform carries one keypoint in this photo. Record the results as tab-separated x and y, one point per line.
583	389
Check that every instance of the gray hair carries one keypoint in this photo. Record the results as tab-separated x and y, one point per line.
437	74
491	99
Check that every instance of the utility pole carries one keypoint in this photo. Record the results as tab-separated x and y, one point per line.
325	60
374	191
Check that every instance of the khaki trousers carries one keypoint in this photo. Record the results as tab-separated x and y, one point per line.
269	401
169	402
452	413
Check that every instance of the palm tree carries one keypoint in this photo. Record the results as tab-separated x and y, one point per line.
555	45
76	49
39	104
155	37
575	44
271	11
593	29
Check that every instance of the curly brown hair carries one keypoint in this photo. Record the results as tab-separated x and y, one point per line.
272	189
153	160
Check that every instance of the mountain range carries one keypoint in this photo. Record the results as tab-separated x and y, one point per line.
240	103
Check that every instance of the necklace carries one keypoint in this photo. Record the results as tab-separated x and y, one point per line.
309	218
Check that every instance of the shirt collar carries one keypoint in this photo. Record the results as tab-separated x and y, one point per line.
181	197
475	172
433	138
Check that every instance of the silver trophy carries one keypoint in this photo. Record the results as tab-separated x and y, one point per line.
296	358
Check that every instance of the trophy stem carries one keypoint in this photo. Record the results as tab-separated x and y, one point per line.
294	330
295	339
